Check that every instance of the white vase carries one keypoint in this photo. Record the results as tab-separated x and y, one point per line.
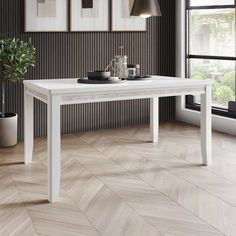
8	130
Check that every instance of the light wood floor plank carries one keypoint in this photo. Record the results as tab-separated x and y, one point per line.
137	194
194	198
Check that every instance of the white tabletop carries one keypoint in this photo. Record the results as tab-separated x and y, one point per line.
60	86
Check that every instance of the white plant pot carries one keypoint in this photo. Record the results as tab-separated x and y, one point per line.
8	130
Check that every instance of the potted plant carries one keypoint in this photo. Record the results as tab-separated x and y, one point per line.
15	57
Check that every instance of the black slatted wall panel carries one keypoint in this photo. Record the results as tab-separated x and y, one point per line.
71	55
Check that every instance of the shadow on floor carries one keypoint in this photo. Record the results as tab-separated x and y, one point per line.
12	163
23	204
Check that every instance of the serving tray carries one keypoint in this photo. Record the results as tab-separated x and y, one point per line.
145	77
109	81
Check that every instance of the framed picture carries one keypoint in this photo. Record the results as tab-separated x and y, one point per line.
46	15
89	15
121	19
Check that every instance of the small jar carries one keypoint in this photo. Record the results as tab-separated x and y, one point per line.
137	67
131	71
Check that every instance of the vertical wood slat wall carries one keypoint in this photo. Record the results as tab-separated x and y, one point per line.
71	55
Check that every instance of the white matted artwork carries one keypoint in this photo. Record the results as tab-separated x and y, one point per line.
89	15
121	19
46	15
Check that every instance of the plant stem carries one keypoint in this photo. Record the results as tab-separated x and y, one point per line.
3	96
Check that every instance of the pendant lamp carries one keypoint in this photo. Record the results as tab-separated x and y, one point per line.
145	8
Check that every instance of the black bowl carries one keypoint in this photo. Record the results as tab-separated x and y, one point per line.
99	75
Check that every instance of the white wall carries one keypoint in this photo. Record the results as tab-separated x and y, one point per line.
223	124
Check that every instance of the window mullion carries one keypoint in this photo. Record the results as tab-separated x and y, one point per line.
211	7
225	58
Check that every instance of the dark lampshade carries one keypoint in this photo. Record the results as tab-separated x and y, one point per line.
145	8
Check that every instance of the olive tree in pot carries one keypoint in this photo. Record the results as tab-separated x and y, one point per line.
15	57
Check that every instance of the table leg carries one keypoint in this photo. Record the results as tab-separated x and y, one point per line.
54	147
154	118
28	127
206	128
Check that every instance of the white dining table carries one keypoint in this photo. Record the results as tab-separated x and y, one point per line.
58	92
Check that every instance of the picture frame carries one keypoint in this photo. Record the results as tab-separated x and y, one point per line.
121	19
46	15
89	15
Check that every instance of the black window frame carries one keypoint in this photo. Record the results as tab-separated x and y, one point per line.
190	103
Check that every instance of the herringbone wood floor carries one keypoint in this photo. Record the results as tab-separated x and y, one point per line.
116	182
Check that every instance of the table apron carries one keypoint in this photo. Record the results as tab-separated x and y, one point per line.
75	98
40	96
92	97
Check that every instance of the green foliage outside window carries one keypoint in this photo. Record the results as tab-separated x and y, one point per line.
229	80
224	94
223	90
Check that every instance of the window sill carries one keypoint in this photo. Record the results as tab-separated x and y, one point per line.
215	111
219	123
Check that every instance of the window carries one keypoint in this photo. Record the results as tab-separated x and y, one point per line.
211	51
